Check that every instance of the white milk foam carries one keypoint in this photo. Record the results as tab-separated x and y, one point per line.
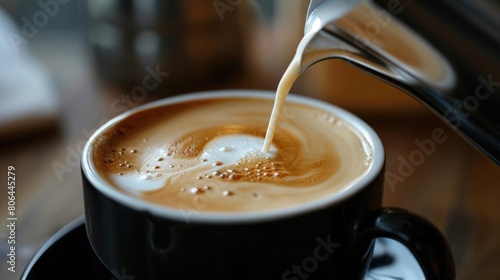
233	148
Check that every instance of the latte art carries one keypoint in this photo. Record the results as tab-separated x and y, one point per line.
206	155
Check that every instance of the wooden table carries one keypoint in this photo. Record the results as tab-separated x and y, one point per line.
455	187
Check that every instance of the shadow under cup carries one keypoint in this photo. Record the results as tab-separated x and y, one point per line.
331	238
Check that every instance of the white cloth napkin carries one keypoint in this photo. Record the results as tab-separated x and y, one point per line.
28	99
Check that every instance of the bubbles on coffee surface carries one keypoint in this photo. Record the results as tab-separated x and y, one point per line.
250	170
255	170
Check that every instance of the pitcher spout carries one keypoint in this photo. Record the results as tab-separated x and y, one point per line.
364	34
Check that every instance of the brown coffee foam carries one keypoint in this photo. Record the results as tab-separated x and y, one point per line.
316	155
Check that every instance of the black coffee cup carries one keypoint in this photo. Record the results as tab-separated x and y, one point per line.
331	238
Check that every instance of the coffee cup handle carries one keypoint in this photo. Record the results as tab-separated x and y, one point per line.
421	237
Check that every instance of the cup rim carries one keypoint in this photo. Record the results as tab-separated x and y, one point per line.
186	216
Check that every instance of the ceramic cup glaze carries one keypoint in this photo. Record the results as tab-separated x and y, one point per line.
330	236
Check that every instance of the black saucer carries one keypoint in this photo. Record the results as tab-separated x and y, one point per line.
68	255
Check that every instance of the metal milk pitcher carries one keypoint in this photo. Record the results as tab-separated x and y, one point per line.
444	53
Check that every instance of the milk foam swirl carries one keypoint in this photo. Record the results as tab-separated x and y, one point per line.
205	155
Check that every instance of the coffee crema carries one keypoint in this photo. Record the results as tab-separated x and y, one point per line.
205	155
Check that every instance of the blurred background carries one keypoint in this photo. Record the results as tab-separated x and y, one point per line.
68	66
